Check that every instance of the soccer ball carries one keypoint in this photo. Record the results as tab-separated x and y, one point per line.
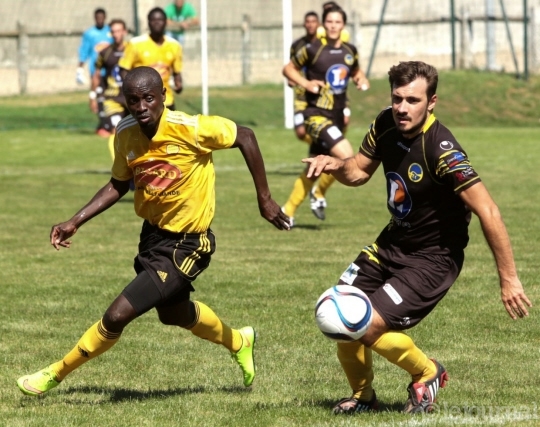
343	313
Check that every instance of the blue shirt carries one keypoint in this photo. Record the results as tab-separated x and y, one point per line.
93	41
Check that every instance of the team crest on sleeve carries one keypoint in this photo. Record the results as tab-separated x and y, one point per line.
399	201
337	77
415	172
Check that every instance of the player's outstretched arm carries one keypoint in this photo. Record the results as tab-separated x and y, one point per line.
512	294
270	210
107	196
353	171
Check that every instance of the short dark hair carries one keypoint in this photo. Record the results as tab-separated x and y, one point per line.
329	4
311	13
118	21
156	9
146	75
100	10
334	8
408	71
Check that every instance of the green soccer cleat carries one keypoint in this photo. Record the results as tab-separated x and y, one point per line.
38	383
244	356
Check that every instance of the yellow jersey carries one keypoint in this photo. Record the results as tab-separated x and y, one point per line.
345	36
174	171
165	58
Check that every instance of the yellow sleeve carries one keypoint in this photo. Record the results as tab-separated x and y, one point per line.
128	58
215	133
120	169
321	32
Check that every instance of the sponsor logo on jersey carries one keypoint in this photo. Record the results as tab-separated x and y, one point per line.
172	149
446	145
399	201
115	74
406	321
455	159
334	132
349	59
463	175
402	145
161	68
350	274
337	77
393	294
157	175
415	172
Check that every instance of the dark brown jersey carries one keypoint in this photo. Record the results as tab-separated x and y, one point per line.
299	91
424	177
334	66
108	59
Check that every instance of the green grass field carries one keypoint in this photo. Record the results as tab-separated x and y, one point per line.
52	163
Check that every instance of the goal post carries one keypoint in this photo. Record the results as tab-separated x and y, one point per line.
288	94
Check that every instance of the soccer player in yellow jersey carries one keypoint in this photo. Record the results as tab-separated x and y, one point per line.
156	50
169	155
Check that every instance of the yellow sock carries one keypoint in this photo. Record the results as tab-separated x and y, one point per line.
111	145
357	362
95	341
209	327
325	181
400	349
301	188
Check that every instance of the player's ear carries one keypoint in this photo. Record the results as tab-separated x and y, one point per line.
431	103
163	93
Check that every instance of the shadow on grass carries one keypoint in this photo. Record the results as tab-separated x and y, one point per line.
325	404
72	395
306	227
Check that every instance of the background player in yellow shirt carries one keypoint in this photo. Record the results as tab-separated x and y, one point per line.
156	50
169	155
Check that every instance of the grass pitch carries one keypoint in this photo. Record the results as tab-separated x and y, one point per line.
162	376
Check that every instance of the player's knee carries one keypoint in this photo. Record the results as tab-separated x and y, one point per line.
182	315
377	328
118	315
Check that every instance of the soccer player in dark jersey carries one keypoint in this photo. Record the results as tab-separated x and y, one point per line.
94	39
169	155
432	188
311	23
329	64
110	81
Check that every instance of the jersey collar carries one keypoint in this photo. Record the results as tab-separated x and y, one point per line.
431	119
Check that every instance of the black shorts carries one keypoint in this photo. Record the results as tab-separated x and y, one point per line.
324	132
403	288
173	261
